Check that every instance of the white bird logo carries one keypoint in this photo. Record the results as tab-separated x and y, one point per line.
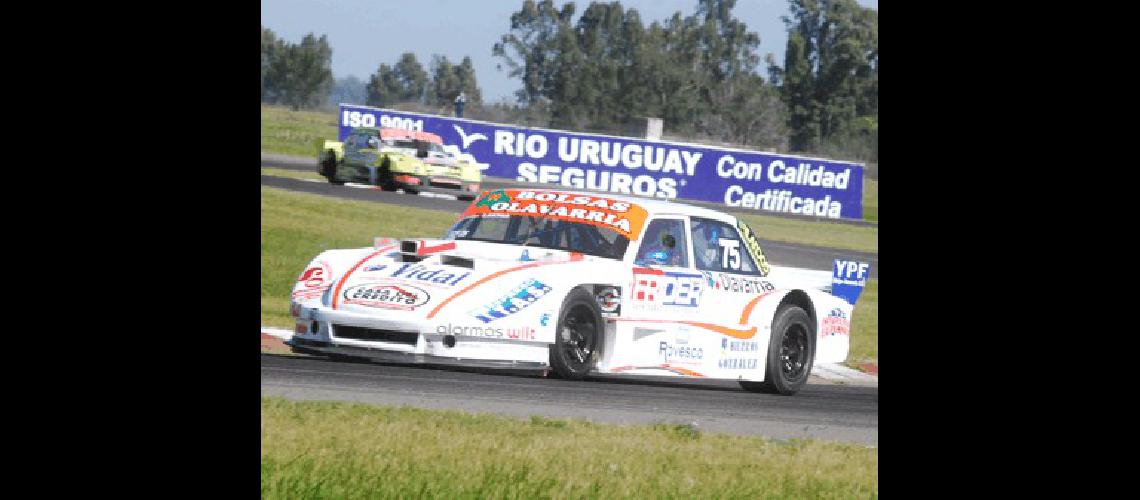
468	139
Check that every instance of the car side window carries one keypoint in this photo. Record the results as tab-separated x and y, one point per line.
664	244
717	247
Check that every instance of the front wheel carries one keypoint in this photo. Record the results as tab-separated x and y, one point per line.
578	336
328	169
791	352
384	176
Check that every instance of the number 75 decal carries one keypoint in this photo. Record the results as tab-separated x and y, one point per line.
730	253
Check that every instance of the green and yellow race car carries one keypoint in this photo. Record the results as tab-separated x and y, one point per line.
393	158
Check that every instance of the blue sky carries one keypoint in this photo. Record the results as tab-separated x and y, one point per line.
363	34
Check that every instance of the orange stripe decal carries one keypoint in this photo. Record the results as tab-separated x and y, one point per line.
666	367
724	330
490	277
682	371
340	284
748	308
425	250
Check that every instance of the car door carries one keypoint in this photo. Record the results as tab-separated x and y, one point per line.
664	293
732	281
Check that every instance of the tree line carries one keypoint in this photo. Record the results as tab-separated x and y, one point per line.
606	71
295	74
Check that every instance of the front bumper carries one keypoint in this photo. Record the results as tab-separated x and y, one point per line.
345	333
436	184
373	354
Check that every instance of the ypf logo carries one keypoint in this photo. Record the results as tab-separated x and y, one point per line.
848	279
851	270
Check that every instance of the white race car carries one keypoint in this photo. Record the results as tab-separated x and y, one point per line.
577	283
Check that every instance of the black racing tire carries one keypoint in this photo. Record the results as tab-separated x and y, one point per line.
578	336
328	169
791	353
384	176
466	197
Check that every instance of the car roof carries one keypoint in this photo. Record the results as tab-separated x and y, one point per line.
399	133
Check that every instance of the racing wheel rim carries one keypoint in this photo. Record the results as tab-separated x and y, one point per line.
793	352
579	335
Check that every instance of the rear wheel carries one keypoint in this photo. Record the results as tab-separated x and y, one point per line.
578	336
791	352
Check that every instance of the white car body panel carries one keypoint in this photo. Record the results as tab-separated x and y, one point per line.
673	321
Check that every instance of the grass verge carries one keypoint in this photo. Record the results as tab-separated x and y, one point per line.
865	327
349	450
292	174
870	199
822	234
298	133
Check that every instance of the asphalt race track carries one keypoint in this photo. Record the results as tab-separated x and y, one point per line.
780	254
822	411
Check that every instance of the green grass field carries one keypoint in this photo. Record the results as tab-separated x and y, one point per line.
295	227
346	450
822	234
292	174
865	326
297	133
871	199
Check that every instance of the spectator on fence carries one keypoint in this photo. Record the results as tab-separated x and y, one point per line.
460	100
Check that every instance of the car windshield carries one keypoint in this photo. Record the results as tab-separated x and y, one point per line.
413	144
538	232
401	143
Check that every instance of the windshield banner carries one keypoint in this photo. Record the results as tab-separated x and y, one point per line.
625	218
766	182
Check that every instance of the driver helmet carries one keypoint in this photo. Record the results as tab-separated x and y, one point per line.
709	247
662	251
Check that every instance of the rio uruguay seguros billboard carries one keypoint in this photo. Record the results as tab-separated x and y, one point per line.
765	182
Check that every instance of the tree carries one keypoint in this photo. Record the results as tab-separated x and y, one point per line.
383	87
348	90
448	80
270	49
465	74
530	49
412	77
830	77
444	83
406	81
310	72
607	71
299	75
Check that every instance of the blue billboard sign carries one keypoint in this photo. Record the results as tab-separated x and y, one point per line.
740	179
